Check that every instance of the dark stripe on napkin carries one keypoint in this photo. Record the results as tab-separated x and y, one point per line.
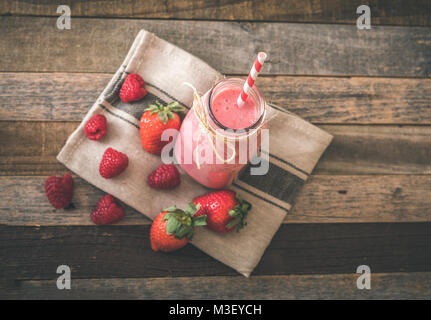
118	116
257	196
137	108
277	182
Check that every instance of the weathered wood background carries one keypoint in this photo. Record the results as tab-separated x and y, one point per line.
367	202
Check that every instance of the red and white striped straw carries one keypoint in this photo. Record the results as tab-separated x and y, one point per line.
257	65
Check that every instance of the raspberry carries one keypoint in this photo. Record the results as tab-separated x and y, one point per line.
113	163
59	191
107	211
95	128
132	88
165	177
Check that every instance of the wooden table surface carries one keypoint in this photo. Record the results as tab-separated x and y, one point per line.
368	201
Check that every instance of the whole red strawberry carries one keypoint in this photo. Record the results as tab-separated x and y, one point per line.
225	210
132	88
95	128
156	119
107	211
59	191
165	177
113	163
172	229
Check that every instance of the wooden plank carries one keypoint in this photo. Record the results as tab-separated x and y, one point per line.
323	199
377	149
33	253
377	198
414	285
317	11
23	202
67	96
35	44
30	148
49	96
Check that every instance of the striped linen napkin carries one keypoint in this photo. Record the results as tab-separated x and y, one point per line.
295	147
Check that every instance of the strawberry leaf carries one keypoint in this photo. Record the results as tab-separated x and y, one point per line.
233	213
177	109
163	117
171	209
152	108
238	214
200	221
191	208
233	223
165	112
173	225
182	231
181	222
168	216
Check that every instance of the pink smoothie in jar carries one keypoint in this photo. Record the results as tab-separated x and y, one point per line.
232	123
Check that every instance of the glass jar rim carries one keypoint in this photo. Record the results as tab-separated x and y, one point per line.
253	90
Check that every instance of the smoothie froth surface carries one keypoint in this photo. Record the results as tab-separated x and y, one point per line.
227	112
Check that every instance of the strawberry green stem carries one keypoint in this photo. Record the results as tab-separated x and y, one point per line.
239	214
181	223
165	112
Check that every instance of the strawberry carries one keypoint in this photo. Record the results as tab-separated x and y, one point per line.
59	191
172	229
132	88
95	128
113	163
225	210
154	121
107	211
165	177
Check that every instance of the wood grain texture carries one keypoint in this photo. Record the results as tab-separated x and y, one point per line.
68	96
33	253
49	96
23	202
30	148
415	285
323	199
100	45
317	11
377	198
377	149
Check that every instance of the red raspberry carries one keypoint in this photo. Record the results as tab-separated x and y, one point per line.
132	88
165	177
59	191
95	128
113	163
107	211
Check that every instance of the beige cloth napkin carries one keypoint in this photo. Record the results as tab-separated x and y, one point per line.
295	148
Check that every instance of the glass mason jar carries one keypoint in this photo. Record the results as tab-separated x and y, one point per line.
217	138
